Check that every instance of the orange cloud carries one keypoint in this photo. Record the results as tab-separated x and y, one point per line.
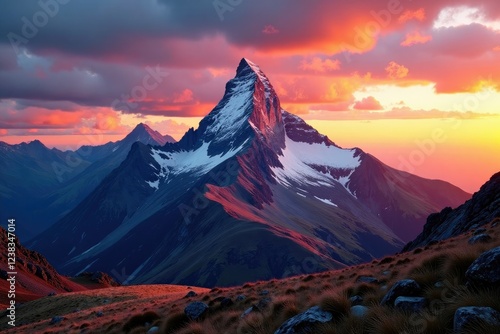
408	15
185	96
3	132
415	37
368	103
318	65
396	71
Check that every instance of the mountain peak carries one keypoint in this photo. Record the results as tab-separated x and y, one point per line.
145	134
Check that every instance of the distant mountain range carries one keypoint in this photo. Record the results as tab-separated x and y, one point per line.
253	193
39	185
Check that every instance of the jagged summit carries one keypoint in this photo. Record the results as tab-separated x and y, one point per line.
145	134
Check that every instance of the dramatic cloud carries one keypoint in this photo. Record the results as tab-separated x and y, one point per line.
87	64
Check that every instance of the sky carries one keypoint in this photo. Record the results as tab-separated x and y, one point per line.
415	83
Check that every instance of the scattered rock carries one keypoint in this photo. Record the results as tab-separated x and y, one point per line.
387	273
406	287
485	270
55	320
359	311
240	298
304	321
410	304
367	279
264	293
439	285
480	238
248	311
191	294
195	310
154	329
51	294
480	230
356	300
99	314
262	304
226	302
470	316
495	224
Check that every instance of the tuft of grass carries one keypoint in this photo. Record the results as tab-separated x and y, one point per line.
337	304
174	323
140	320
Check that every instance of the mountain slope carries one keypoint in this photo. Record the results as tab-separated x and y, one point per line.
482	208
253	193
35	277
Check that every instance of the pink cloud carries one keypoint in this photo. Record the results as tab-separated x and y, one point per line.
409	15
270	29
415	37
185	96
368	103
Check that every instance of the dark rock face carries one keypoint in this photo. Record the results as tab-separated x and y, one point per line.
481	209
480	238
196	310
485	270
302	323
468	317
100	277
407	288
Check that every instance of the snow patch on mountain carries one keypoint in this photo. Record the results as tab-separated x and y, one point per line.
298	158
327	201
196	162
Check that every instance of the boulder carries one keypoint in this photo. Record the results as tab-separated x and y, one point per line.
480	238
359	311
406	287
154	329
304	321
356	300
485	270
410	304
470	316
240	298
226	302
191	294
195	310
480	230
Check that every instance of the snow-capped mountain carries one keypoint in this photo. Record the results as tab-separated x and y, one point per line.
40	185
253	193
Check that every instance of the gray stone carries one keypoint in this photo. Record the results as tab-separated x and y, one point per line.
480	230
439	285
226	302
264	292
262	304
469	316
99	314
406	287
195	310
410	304
356	300
304	321
359	311
367	279
480	238
248	311
55	320
191	294
154	329
240	298
485	270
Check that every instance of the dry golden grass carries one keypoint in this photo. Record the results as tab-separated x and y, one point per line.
130	308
